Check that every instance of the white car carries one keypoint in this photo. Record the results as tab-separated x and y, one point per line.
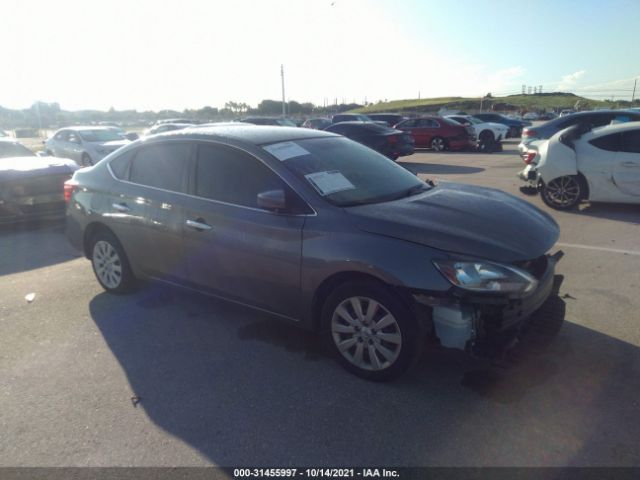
485	131
85	145
600	165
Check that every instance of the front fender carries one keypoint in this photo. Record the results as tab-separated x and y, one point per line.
395	262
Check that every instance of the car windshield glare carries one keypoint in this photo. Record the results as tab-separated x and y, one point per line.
344	172
106	135
10	149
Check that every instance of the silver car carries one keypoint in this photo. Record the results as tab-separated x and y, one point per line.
321	231
85	145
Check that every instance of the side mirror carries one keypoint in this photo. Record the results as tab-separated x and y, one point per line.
272	200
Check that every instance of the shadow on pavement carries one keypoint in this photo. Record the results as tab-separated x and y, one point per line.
612	211
27	246
243	389
437	168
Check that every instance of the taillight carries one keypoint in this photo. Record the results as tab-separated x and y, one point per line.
392	139
528	132
529	156
70	186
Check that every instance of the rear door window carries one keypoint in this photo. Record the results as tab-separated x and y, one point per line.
162	166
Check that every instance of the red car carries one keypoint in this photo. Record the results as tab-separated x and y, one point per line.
438	133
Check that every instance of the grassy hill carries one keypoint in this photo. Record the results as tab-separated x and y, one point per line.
537	101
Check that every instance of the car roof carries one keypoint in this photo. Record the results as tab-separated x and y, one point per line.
254	134
615	128
81	128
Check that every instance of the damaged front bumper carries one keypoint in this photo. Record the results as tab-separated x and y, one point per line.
482	324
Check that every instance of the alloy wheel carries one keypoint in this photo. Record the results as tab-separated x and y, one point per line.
437	144
366	333
563	191
107	264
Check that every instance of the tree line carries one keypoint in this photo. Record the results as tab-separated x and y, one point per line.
51	115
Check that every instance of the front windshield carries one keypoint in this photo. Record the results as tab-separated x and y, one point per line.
106	135
472	120
344	172
10	149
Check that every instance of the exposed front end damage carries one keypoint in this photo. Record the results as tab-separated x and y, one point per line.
486	324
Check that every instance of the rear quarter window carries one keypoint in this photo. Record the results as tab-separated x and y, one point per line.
120	165
610	143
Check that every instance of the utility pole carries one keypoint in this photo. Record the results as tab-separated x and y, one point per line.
633	95
284	111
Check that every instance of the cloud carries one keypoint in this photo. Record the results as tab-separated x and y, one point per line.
568	81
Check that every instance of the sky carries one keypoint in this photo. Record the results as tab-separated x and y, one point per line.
153	55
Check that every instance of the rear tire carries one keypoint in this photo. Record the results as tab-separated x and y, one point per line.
110	264
563	193
370	331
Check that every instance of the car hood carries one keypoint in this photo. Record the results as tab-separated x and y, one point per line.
21	167
463	219
114	143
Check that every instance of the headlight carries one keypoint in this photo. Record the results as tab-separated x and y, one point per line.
484	276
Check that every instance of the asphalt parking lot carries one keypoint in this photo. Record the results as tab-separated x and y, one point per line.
167	378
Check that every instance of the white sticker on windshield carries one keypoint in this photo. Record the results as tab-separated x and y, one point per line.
329	182
285	150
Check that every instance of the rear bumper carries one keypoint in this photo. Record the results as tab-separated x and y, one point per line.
43	207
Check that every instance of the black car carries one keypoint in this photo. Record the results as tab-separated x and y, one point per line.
31	186
386	140
350	117
277	121
392	119
515	126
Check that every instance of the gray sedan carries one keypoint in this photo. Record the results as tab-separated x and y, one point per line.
85	145
318	230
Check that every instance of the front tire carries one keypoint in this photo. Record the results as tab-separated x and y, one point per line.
371	333
438	144
563	193
110	264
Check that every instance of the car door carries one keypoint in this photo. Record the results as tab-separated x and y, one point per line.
626	170
428	128
234	248
411	126
59	144
73	147
161	172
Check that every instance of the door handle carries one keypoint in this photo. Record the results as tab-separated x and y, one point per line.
198	225
121	207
